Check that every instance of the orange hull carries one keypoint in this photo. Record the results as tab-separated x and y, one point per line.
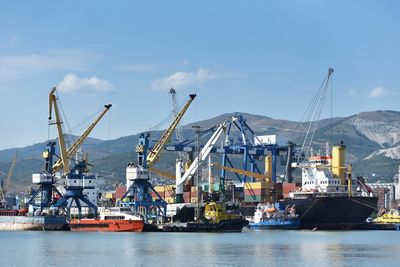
90	225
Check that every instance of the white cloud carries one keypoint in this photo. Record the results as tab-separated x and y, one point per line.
138	67
74	84
182	79
377	92
68	60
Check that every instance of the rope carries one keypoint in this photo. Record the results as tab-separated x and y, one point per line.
305	213
369	206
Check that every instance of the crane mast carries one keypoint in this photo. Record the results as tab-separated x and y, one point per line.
63	151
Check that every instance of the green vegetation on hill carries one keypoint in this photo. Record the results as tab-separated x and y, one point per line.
109	158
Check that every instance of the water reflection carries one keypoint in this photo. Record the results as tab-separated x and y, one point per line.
268	248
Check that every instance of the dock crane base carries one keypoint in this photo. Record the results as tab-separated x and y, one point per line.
140	199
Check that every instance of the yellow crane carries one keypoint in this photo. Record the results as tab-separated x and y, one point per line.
162	173
54	106
63	162
258	176
154	153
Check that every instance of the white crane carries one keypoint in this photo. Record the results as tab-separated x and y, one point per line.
180	180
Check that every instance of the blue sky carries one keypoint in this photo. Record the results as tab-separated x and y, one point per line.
261	57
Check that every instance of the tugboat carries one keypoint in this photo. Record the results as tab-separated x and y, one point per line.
388	220
330	198
118	219
215	219
271	217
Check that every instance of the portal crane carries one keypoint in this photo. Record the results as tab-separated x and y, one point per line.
205	151
137	176
5	184
76	181
155	152
63	162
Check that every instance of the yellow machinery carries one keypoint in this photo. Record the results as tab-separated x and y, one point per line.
76	180
261	177
58	123
154	154
257	176
388	218
162	173
63	162
268	170
215	212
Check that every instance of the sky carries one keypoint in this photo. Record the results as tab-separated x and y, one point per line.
262	57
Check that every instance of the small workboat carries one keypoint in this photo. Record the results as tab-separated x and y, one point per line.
269	217
118	219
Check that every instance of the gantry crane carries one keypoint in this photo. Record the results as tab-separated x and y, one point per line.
261	177
5	184
203	154
137	176
76	181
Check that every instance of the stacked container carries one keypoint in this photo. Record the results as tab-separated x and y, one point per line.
255	192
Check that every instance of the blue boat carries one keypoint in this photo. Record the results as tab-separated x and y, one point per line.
274	217
275	224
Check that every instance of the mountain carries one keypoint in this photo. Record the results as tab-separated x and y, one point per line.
372	140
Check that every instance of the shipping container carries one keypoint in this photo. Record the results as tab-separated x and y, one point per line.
255	185
254	198
255	192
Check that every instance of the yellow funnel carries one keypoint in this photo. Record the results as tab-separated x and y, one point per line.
338	167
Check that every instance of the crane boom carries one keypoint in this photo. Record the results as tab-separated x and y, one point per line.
154	154
202	155
59	163
258	176
162	173
58	122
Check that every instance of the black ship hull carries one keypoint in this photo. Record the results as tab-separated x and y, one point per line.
333	213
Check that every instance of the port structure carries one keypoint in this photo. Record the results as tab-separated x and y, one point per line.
76	180
246	146
5	184
139	187
194	167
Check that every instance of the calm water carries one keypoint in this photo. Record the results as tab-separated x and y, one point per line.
268	248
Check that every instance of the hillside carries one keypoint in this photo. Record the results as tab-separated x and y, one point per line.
372	140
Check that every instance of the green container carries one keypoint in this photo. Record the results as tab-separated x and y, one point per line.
253	198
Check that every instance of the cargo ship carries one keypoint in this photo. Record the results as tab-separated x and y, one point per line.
215	219
118	219
18	220
273	217
329	198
